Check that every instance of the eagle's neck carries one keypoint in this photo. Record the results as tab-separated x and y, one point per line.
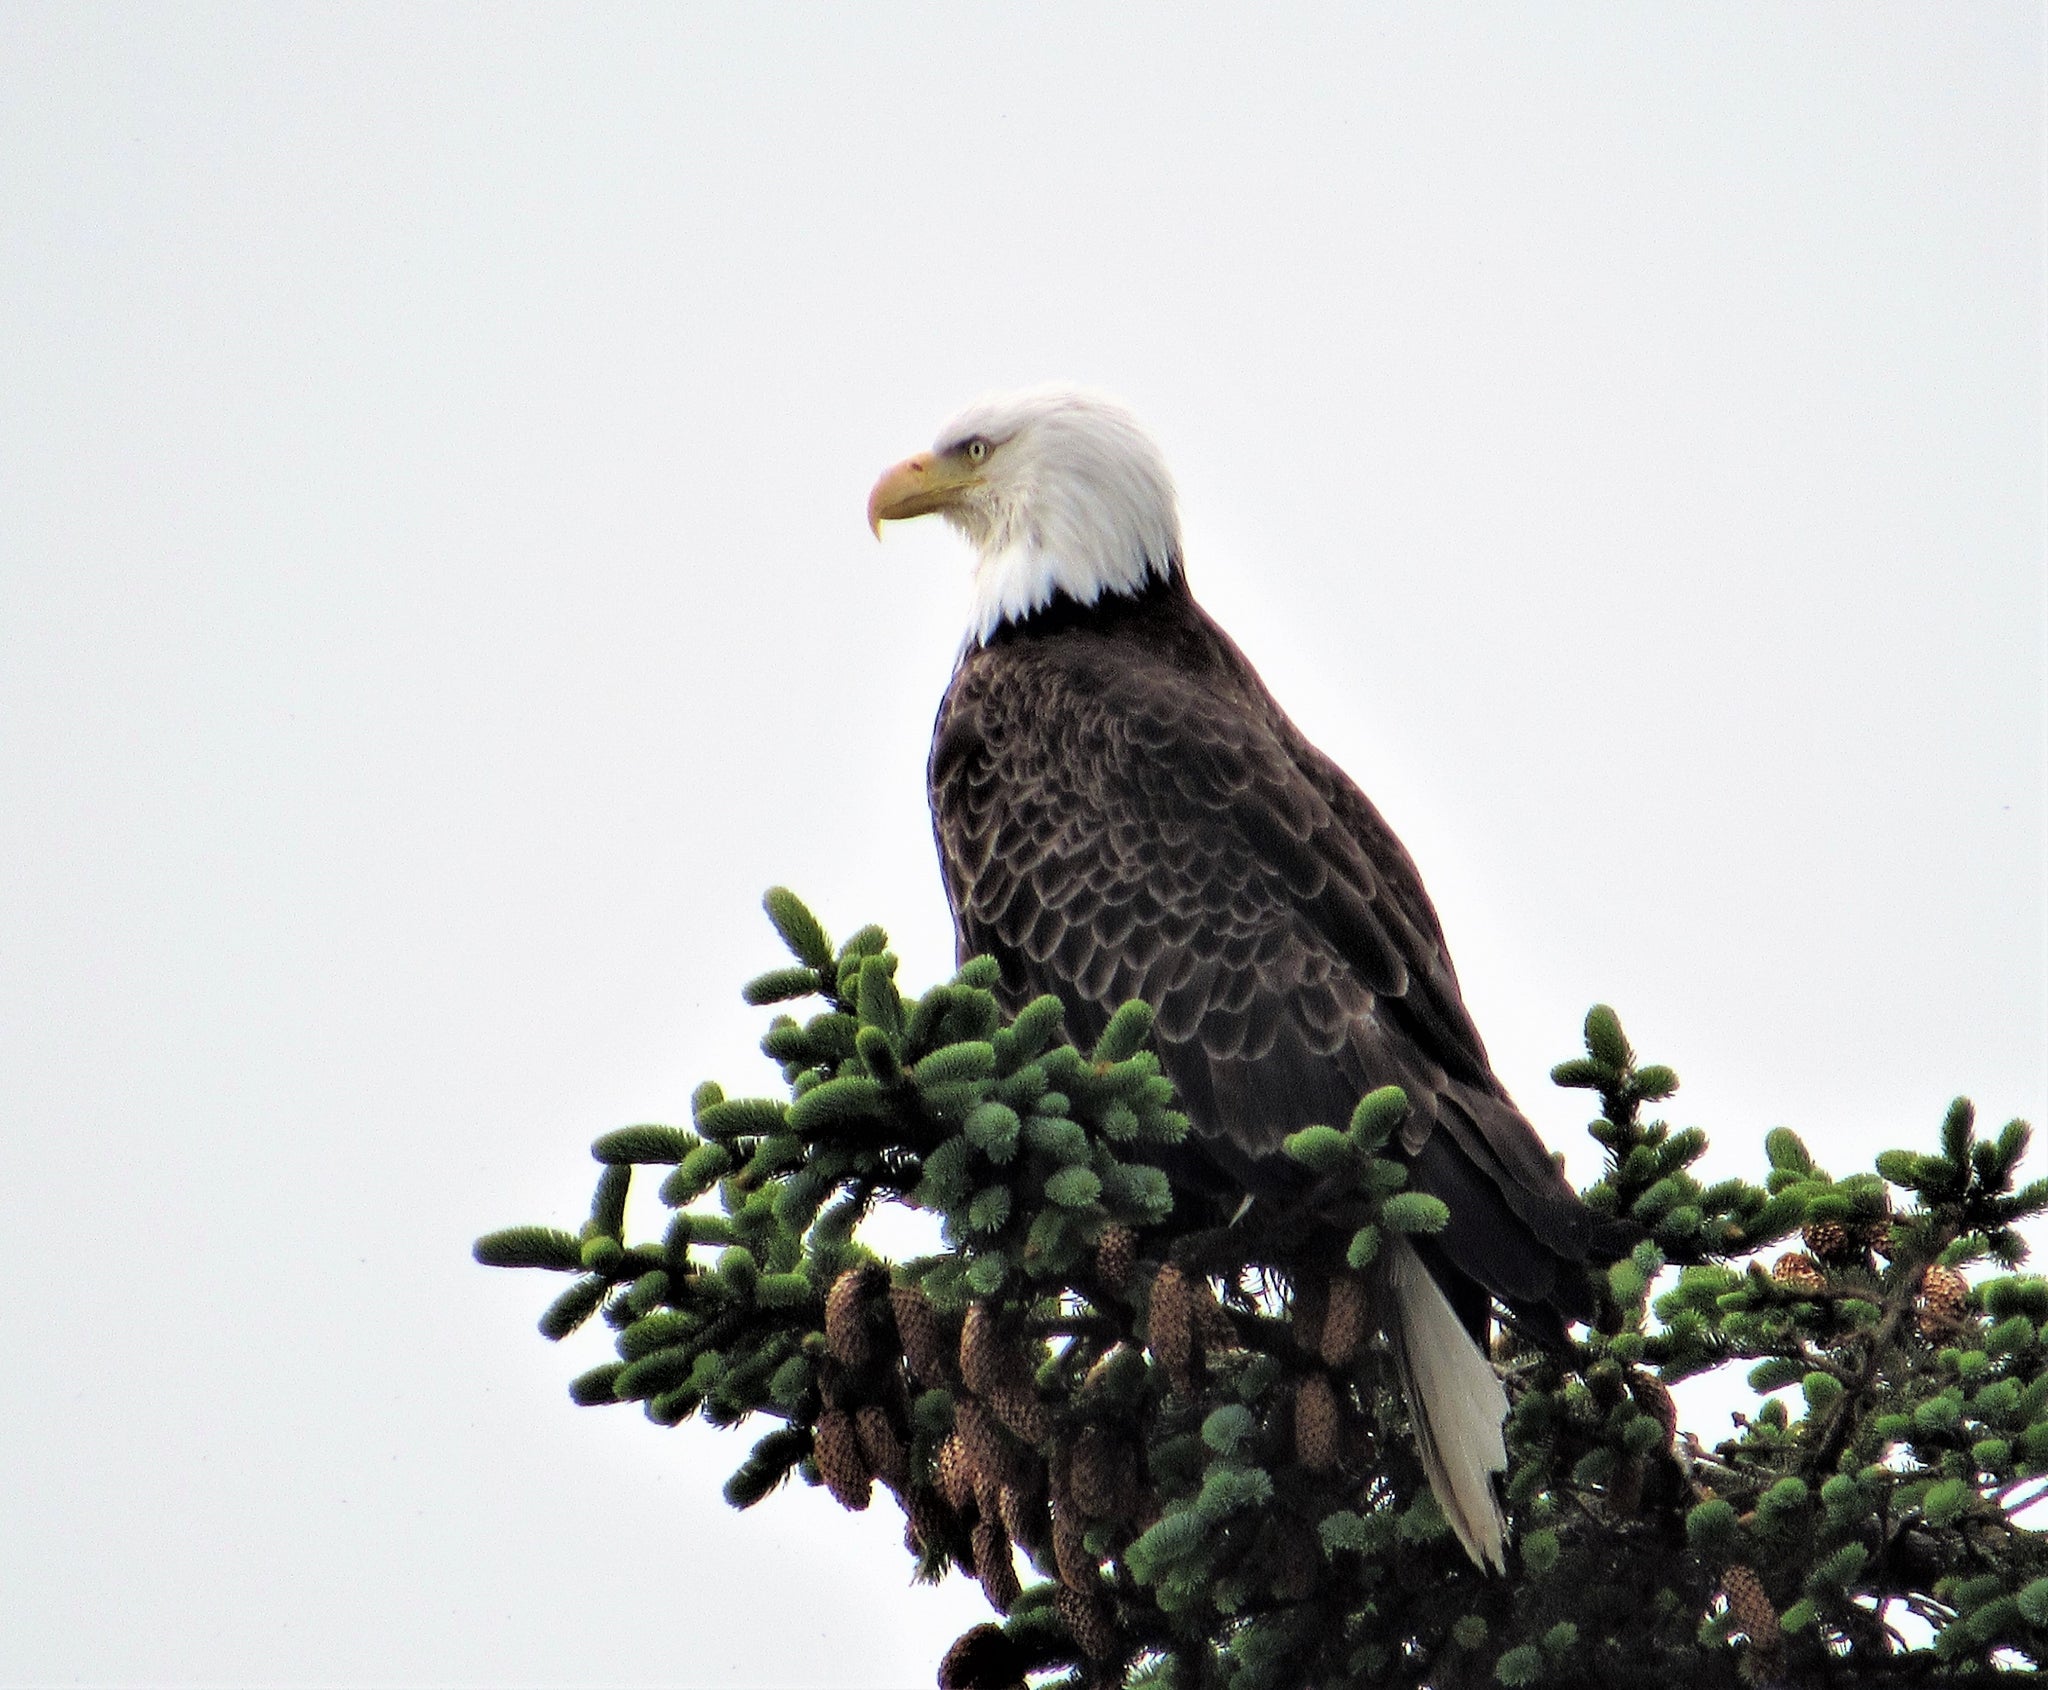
1158	611
1013	590
1080	543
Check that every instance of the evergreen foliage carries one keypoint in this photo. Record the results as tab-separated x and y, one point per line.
1188	1428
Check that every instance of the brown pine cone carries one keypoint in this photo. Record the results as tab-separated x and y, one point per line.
1306	1307
952	1473
1059	1477
1213	1327
1104	1476
835	1445
923	1338
846	1325
1797	1271
1877	1235
1170	1330
985	1658
1116	1254
1831	1241
995	1566
1023	1513
986	1362
1655	1400
1751	1607
1944	1294
1088	1618
1018	1407
1318	1427
1344	1320
989	1462
1077	1568
886	1456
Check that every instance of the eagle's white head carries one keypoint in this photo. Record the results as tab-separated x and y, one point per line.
1059	490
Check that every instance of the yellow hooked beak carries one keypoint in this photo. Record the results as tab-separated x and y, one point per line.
918	486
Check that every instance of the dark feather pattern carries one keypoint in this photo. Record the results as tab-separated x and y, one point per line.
1123	811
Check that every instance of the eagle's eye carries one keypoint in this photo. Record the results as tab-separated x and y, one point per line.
976	449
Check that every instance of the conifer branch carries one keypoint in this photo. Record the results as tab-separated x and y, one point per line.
1182	1424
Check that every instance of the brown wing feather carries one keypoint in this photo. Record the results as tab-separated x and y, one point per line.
1122	811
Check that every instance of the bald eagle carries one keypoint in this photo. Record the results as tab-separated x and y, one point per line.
1123	811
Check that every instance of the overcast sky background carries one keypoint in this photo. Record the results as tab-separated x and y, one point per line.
434	604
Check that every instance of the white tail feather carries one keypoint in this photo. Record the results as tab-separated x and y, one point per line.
1456	1402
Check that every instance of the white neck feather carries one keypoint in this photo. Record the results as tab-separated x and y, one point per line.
1077	500
1011	584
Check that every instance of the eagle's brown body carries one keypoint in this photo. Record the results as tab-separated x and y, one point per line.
1123	811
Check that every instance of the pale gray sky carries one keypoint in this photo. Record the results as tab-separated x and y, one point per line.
436	603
